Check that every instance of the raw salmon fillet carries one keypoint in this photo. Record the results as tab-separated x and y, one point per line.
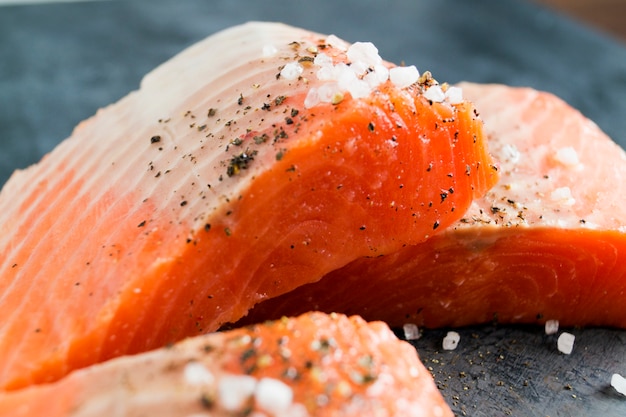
312	365
255	161
548	242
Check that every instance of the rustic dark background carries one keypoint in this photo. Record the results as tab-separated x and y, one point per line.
60	62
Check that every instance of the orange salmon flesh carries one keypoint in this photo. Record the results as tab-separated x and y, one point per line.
220	183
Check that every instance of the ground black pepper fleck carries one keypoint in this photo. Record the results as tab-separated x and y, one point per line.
155	139
239	162
206	401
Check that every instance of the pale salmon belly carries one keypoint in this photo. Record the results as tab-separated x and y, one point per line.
253	162
548	242
312	365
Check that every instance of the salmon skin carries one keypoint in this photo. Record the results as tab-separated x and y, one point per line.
312	365
548	242
256	161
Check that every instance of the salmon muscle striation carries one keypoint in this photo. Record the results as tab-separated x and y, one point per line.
312	365
255	161
548	242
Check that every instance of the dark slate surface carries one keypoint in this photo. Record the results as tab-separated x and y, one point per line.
60	62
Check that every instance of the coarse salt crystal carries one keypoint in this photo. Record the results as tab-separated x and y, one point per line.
291	71
435	94
298	410
377	76
403	77
327	72
411	331
322	60
552	326
565	343
359	67
567	156
327	91
619	383
273	395
563	195
359	89
451	341
364	52
454	95
312	98
336	42
269	50
195	373
235	391
511	153
345	76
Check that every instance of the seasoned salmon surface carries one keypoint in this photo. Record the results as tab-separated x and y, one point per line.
548	242
254	162
312	365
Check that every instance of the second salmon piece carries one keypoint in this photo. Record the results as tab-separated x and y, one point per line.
254	162
548	242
